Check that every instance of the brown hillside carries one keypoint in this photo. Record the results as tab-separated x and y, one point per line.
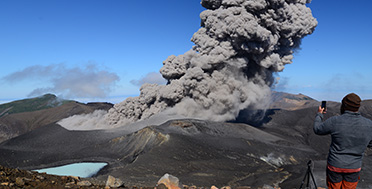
16	124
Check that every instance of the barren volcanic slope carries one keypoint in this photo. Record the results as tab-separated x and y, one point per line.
198	152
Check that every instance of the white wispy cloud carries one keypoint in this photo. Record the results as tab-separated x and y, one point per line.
86	81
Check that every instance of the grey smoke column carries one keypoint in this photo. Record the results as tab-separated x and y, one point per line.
239	46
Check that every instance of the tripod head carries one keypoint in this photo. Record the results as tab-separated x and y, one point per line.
310	163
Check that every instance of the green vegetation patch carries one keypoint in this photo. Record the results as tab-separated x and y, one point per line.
31	104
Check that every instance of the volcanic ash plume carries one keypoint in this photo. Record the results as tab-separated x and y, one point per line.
239	46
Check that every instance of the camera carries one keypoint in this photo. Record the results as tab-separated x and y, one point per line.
324	104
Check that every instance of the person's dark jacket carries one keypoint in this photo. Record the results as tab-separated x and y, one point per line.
351	135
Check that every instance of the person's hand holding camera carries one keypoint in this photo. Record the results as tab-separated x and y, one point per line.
323	108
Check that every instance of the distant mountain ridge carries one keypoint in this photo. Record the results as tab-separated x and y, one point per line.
287	101
21	116
32	104
279	100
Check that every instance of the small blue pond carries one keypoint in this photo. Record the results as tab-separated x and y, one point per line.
76	169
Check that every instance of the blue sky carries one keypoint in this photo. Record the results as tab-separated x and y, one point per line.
59	46
337	58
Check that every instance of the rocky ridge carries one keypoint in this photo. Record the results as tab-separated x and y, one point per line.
17	178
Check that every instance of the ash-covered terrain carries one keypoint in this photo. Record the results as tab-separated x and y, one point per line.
272	151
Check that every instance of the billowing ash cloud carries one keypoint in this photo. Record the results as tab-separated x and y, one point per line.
238	48
88	81
150	78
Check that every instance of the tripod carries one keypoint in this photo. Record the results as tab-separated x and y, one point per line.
309	173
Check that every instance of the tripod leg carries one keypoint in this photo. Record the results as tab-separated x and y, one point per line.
312	176
303	180
308	177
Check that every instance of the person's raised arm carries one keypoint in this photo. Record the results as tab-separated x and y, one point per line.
320	127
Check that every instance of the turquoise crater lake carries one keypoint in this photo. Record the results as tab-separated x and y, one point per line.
76	169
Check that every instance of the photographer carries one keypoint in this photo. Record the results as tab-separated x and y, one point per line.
351	134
